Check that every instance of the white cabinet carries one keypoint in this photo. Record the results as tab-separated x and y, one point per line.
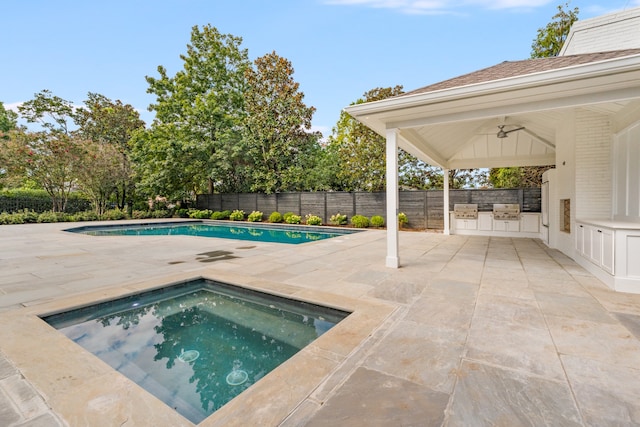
607	260
486	225
506	225
485	221
466	224
530	223
597	245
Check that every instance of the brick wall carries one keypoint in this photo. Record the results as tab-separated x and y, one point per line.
593	162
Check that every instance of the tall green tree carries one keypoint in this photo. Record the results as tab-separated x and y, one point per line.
50	156
99	172
277	127
8	121
549	40
112	123
197	130
361	151
8	124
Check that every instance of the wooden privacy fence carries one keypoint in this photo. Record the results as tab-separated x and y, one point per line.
423	208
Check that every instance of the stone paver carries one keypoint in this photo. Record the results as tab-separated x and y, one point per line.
485	331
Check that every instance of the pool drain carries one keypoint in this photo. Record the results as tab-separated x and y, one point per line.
189	356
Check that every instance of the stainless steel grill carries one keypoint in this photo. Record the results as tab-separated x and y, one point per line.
506	211
465	211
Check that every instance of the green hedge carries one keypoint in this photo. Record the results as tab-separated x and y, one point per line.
38	201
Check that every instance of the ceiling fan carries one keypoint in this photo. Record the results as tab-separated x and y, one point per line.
505	133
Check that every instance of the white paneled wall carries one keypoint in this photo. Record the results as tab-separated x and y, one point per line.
626	167
593	165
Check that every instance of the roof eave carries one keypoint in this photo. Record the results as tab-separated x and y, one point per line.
570	74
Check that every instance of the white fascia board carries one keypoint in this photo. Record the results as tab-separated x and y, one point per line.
570	74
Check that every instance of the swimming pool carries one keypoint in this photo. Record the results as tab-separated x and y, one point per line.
197	344
275	233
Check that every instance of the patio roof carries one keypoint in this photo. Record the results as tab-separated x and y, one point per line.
454	123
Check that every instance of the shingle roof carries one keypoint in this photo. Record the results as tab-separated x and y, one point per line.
522	68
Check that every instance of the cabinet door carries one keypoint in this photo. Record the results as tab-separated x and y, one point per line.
586	250
530	223
513	226
607	259
595	254
580	239
499	225
485	222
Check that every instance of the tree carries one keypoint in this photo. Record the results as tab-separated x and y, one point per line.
549	40
8	121
50	156
361	151
99	171
197	130
53	113
517	177
111	123
277	126
8	124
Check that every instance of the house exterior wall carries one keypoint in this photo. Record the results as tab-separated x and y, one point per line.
626	169
614	31
564	186
593	139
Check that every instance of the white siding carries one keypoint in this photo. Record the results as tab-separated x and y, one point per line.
593	165
627	174
614	31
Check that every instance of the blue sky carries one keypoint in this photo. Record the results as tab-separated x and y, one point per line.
339	48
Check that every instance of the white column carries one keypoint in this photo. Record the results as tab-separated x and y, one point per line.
447	226
392	260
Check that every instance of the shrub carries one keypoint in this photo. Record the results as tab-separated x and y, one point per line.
338	219
28	216
377	221
114	214
221	215
5	218
161	213
136	214
182	213
402	219
200	214
311	219
53	217
360	221
275	217
293	219
86	216
255	216
237	215
286	216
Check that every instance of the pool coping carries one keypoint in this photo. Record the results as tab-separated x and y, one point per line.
84	390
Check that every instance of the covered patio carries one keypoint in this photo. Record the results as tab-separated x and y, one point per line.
518	113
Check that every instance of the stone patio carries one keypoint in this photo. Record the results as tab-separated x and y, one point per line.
471	331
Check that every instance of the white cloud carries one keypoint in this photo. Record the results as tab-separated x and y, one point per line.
13	106
440	6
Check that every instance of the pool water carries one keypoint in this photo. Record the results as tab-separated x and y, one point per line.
198	344
257	232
